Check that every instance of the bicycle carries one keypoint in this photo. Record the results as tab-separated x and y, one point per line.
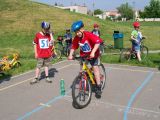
128	53
6	64
60	50
84	84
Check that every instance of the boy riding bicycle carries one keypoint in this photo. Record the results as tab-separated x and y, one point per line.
89	46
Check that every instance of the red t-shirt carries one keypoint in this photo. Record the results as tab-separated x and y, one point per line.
43	45
86	43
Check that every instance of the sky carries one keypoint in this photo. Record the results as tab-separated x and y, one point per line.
99	4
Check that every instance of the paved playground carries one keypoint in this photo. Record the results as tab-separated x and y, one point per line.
131	93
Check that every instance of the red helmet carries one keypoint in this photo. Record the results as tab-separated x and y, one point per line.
136	24
95	25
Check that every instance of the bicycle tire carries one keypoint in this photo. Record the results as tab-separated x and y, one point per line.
125	55
58	55
80	100
17	64
103	74
144	52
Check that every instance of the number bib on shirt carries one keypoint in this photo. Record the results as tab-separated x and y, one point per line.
85	47
44	43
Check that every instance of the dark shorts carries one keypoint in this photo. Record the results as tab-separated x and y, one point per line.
44	62
93	62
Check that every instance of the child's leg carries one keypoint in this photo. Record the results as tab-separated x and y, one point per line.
39	65
139	56
95	65
47	63
97	74
46	69
37	72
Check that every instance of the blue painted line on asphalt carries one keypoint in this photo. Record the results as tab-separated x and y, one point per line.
41	107
133	96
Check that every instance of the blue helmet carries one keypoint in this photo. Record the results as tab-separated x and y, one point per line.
45	25
77	25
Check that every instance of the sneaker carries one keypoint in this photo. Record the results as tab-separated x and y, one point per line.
35	80
48	80
98	92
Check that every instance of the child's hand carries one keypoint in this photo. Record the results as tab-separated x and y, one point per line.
70	57
92	55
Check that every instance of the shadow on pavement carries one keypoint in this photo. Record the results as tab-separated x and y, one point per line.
4	77
52	72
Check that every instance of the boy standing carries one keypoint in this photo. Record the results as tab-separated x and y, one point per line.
43	43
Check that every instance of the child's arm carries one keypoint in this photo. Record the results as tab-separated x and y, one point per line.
35	51
133	38
52	39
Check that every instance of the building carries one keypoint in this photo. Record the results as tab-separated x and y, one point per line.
109	14
112	14
76	8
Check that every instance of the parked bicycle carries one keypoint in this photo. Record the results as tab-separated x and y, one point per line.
104	46
85	83
6	64
128	53
60	48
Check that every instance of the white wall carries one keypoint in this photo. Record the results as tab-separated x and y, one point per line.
78	9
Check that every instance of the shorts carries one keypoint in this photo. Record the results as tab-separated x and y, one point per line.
136	48
93	62
44	62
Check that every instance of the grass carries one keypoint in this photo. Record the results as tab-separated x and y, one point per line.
20	20
153	60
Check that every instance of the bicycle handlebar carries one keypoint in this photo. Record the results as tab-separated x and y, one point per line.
87	57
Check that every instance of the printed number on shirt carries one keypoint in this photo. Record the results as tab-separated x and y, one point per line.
44	43
85	47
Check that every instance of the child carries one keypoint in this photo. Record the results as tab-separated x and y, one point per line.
68	39
96	30
136	38
43	43
89	45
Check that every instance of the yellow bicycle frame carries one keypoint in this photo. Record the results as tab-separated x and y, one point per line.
85	68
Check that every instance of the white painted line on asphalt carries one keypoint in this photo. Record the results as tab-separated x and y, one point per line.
45	105
118	68
10	86
107	104
34	70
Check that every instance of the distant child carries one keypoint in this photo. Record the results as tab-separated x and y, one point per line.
60	41
68	39
96	30
136	38
43	43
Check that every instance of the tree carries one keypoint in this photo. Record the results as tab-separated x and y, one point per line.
153	10
55	4
98	12
126	11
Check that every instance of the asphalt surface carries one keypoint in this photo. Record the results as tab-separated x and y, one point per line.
131	93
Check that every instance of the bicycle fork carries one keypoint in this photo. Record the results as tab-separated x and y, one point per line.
82	86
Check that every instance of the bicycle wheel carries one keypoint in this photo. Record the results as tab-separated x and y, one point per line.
125	55
144	52
103	76
67	52
17	64
57	55
101	48
81	91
